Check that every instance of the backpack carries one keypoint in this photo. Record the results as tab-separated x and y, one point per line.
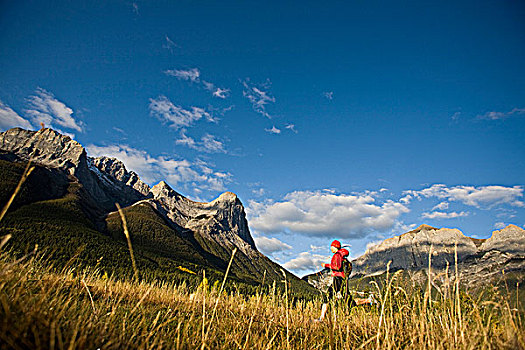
347	267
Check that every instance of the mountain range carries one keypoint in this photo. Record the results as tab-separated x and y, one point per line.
68	205
479	261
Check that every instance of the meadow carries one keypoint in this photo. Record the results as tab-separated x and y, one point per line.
47	308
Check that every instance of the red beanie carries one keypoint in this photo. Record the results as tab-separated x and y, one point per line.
336	244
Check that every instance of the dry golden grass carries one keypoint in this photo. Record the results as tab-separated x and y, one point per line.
44	308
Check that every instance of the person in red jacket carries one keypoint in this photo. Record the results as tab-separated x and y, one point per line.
338	272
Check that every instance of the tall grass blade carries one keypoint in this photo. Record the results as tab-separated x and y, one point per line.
130	247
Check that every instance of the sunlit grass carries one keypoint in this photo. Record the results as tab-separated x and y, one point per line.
45	308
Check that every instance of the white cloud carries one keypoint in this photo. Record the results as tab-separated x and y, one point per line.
208	143
329	95
212	145
502	115
291	127
400	226
259	192
443	215
372	244
499	225
45	108
269	246
317	248
320	213
221	93
306	262
192	74
169	44
258	96
177	117
10	119
441	206
177	172
406	199
273	130
483	196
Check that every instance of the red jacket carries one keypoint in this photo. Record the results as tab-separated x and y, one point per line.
336	265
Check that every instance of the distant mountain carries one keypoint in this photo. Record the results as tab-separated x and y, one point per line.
167	228
479	260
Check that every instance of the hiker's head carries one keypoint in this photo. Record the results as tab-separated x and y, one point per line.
335	246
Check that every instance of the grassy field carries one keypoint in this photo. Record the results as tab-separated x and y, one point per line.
45	308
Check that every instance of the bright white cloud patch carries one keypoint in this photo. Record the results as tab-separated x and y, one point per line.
443	215
258	95
272	245
479	197
273	130
502	115
182	74
45	108
176	117
11	119
208	143
306	262
321	213
221	93
441	206
177	172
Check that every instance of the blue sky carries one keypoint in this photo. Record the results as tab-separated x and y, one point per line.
355	120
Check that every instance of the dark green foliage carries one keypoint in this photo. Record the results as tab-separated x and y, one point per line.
150	232
42	184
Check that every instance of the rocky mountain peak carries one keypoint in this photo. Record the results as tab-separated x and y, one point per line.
167	195
222	220
46	146
509	229
226	197
411	250
510	239
117	171
160	187
423	227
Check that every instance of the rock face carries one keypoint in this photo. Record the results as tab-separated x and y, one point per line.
222	220
46	147
123	184
477	263
107	180
320	280
411	251
509	240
